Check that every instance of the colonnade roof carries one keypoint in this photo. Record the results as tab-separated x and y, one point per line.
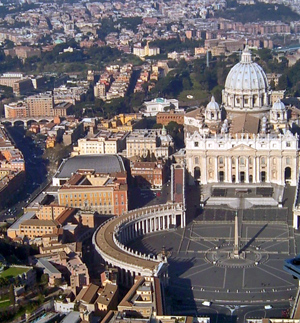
104	241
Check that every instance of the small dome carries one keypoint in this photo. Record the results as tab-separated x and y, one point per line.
213	105
246	76
278	105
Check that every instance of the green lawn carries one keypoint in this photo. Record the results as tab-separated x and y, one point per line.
199	95
4	304
13	272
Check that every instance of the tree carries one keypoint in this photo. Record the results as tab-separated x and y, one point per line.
44	279
12	295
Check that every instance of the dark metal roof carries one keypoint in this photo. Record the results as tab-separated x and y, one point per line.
100	163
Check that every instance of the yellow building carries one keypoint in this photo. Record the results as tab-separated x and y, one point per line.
34	228
50	142
96	192
124	122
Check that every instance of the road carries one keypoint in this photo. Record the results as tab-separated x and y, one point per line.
36	171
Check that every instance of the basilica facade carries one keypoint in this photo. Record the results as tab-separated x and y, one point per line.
246	139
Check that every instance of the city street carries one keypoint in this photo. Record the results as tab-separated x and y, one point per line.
36	172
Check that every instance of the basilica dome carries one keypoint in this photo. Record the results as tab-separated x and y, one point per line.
246	87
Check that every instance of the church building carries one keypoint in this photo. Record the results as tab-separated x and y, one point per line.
246	139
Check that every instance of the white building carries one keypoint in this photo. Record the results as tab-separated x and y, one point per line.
105	142
157	142
160	105
249	142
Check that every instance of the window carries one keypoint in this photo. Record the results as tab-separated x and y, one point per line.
288	144
288	161
263	160
196	144
221	160
242	161
196	160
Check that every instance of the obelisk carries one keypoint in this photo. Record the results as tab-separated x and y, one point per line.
236	237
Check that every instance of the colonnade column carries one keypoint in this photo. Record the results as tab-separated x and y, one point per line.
183	219
269	169
247	171
254	170
229	177
257	170
216	169
204	172
237	177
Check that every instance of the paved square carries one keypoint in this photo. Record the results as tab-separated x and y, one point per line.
193	275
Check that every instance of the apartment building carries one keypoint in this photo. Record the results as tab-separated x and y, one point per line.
144	142
8	79
99	300
71	94
34	228
21	87
105	142
144	298
40	105
79	274
14	160
50	212
125	122
15	110
63	109
106	194
165	117
148	174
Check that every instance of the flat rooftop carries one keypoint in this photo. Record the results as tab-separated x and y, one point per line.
102	163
